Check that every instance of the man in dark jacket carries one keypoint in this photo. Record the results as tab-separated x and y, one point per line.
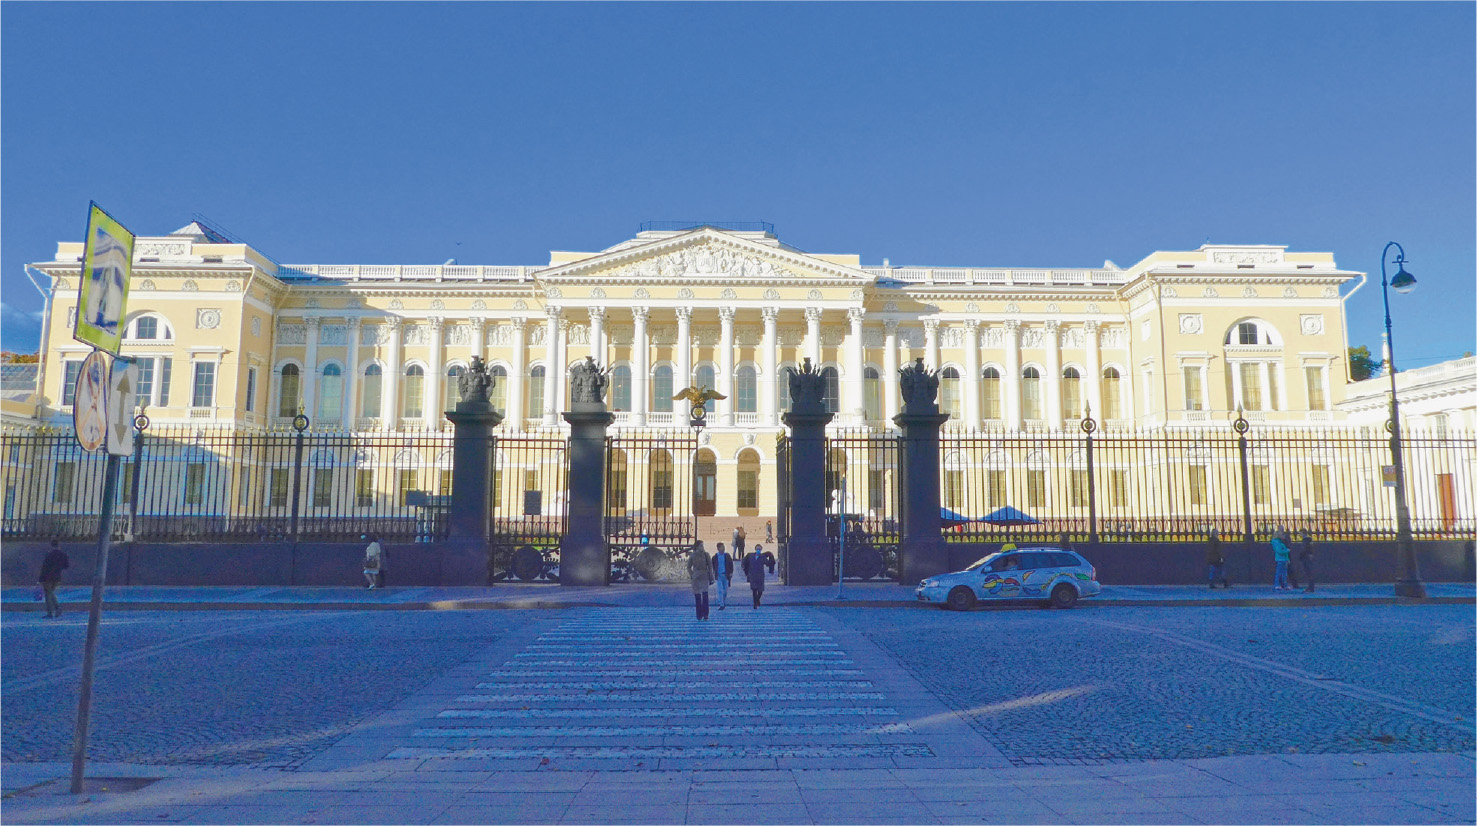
52	566
1305	557
754	572
723	570
1215	560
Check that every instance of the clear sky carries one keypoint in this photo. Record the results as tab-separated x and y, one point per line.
990	134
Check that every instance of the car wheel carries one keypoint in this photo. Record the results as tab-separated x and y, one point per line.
1063	596
961	599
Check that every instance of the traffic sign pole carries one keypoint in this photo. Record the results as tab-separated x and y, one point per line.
94	619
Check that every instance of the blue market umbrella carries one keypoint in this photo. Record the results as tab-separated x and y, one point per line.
955	516
1009	516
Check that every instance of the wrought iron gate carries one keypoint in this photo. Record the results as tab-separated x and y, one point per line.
527	508
863	479
650	521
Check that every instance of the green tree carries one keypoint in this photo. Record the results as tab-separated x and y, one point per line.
8	357
1361	364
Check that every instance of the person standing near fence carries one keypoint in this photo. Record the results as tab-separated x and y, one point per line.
700	574
754	572
372	556
52	566
1305	558
740	536
1280	554
769	531
1215	560
384	562
722	574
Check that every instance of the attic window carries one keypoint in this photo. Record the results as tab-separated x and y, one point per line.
213	259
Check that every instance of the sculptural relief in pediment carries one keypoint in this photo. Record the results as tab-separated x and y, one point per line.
706	258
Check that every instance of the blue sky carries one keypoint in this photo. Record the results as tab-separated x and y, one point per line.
991	134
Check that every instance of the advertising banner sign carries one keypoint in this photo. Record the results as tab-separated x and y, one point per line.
90	403
122	384
102	295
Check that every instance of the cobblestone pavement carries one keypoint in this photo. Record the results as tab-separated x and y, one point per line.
1083	687
247	688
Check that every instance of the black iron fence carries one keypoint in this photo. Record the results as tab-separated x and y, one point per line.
863	481
184	484
657	485
1178	485
528	507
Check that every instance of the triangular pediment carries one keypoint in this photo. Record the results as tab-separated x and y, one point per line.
705	253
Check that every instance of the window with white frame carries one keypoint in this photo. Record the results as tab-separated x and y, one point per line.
70	371
872	394
413	393
745	390
453	390
1194	387
369	406
831	389
250	389
535	406
1031	393
289	391
990	385
705	376
148	328
1112	393
1251	333
620	389
949	393
331	392
1071	393
202	388
499	395
1313	376
661	389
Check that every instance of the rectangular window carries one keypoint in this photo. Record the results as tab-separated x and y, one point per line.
1251	385
954	489
70	371
1031	398
195	483
1321	496
1036	488
63	483
145	388
1261	484
616	495
991	387
748	489
1199	495
203	392
1079	488
443	482
497	490
535	400
997	488
661	487
363	488
877	490
166	368
404	484
1316	398
1194	389
277	489
322	487
1118	489
251	389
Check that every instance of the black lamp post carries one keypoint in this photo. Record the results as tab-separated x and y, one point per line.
1408	577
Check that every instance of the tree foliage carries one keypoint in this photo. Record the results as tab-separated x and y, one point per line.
1361	364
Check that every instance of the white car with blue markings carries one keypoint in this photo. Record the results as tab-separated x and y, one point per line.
1056	576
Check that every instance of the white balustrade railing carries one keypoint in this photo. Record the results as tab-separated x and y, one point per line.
661	418
384	272
746	419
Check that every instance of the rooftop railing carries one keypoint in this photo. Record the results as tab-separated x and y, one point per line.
998	277
416	272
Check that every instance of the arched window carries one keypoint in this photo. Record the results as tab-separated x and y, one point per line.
499	395
331	393
1251	333
289	394
1112	394
705	376
453	385
413	393
1031	393
990	384
949	392
782	387
370	406
661	389
148	328
536	392
1072	394
832	392
620	389
872	394
745	390
748	483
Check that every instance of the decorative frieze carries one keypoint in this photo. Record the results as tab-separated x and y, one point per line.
1191	324
207	318
417	334
291	334
1311	325
333	335
1114	338
190	286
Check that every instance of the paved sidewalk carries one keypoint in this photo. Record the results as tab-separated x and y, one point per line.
520	596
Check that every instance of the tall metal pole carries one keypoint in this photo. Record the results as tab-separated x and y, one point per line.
1408	578
299	423
841	534
140	423
94	619
1088	426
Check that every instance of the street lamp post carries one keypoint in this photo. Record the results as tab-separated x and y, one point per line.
1408	578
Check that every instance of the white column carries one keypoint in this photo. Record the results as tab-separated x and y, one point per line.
434	401
553	370
351	375
1012	382
479	338
518	375
971	409
768	389
561	402
1236	397
597	336
390	376
890	398
813	335
1094	375
1269	402
1053	375
682	349
855	385
310	369
725	365
640	353
931	343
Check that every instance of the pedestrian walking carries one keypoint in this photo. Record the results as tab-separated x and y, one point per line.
373	556
740	537
1280	554
700	574
722	575
754	572
769	531
384	564
1215	560
52	566
1305	557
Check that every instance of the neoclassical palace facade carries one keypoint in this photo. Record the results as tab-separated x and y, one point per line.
226	337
